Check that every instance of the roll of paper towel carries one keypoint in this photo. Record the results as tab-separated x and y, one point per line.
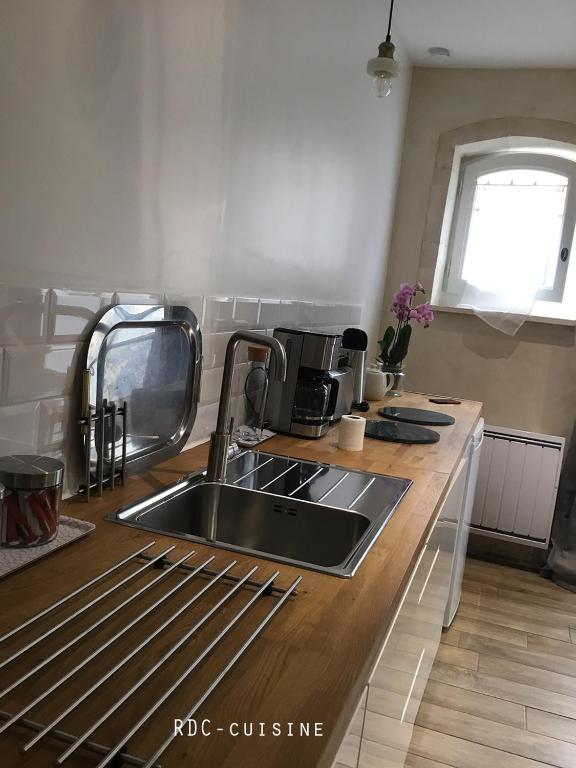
351	437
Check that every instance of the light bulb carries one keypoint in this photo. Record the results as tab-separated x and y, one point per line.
383	69
383	84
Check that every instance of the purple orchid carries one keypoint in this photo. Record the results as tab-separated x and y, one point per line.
422	314
394	345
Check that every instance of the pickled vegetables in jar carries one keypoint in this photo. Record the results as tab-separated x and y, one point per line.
30	501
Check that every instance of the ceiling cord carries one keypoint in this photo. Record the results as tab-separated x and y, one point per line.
388	35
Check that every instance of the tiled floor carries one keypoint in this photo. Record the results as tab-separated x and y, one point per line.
503	687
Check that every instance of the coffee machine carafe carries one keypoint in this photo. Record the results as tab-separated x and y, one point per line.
319	384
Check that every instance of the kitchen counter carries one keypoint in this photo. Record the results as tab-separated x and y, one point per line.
311	662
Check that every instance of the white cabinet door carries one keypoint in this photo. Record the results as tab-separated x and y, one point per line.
452	525
380	733
349	751
403	668
465	507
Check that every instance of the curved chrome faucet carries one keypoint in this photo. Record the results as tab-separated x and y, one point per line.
220	439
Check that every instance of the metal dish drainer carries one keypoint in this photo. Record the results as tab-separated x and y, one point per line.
95	426
155	570
140	390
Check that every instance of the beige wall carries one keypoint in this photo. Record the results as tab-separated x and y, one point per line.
526	382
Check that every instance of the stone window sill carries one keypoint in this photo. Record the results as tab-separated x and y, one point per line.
532	319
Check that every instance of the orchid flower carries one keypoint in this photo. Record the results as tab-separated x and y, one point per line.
394	345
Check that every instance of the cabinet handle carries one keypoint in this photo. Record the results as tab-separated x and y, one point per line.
428	576
411	691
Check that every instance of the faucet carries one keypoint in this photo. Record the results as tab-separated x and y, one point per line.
220	439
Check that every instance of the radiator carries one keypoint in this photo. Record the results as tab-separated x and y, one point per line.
517	485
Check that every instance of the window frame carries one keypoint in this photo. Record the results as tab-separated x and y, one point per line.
471	169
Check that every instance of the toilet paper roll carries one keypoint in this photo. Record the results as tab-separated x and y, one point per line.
351	437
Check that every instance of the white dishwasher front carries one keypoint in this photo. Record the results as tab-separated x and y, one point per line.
466	477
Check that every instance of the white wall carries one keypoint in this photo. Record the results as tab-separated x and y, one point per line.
186	148
312	157
228	146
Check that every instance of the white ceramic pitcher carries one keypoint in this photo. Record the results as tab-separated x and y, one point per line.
377	383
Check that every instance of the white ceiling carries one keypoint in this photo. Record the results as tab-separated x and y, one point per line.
489	33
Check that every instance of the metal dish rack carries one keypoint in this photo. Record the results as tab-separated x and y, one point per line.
94	427
140	390
164	581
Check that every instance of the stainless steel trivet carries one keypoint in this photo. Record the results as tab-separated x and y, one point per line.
136	568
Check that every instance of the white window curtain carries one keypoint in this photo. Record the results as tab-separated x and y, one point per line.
514	217
517	286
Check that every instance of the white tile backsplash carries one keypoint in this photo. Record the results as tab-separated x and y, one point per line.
205	422
219	314
239	411
54	423
348	314
269	313
73	314
290	314
206	419
240	373
121	297
305	313
23	315
41	334
315	315
214	350
19	428
195	303
246	312
37	372
211	385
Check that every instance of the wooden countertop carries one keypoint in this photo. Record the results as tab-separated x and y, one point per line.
311	662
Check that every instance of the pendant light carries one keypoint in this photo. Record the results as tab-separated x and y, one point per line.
384	68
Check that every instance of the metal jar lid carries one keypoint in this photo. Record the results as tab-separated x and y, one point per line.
30	473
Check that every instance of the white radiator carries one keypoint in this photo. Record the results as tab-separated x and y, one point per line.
517	485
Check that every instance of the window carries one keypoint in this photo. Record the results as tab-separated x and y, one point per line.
513	224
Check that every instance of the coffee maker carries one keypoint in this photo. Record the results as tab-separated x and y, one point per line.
319	384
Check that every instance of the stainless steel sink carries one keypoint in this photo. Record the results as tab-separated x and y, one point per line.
299	512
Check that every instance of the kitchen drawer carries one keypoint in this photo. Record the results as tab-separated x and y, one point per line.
349	751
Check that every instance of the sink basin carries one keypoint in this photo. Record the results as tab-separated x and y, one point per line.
303	513
260	522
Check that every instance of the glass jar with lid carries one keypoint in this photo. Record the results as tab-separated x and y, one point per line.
30	497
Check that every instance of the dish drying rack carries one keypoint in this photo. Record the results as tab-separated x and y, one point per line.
98	426
140	389
217	589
